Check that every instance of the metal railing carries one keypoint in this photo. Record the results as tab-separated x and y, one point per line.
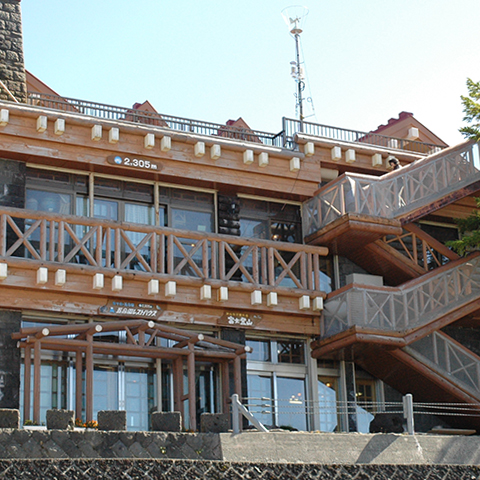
283	139
399	309
449	358
111	112
72	239
292	126
395	194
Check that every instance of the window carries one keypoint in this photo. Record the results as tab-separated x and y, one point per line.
124	201
276	378
270	221
291	352
327	403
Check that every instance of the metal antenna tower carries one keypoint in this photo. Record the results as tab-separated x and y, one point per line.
294	17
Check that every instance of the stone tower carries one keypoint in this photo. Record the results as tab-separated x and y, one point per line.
12	69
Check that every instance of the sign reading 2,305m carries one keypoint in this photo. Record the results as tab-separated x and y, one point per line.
133	162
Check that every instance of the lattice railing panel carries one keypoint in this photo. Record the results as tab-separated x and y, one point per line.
449	358
98	243
397	193
404	308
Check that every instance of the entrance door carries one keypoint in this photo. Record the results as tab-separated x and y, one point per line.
206	401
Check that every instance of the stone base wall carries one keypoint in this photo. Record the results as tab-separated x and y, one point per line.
181	469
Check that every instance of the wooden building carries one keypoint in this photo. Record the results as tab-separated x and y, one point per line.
151	262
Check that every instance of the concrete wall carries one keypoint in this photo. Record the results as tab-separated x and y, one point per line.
12	70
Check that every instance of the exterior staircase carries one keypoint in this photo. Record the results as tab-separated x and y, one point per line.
395	332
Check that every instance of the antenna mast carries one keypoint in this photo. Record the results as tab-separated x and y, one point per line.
294	17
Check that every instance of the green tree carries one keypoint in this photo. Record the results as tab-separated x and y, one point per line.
470	226
471	108
470	229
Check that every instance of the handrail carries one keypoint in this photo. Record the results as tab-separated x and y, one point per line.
449	358
65	239
237	410
395	194
112	112
404	308
293	126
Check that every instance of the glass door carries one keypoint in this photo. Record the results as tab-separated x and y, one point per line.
139	397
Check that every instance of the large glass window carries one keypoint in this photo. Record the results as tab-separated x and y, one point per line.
276	376
327	403
270	220
291	402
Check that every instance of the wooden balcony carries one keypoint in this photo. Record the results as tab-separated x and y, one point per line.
399	197
262	277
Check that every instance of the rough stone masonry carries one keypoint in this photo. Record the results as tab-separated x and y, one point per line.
13	84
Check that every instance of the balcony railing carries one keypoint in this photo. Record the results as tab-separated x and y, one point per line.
111	112
399	309
291	127
396	193
68	239
452	360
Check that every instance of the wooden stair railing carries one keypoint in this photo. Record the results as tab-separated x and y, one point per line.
400	315
405	194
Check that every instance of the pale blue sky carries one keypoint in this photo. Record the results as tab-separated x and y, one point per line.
213	60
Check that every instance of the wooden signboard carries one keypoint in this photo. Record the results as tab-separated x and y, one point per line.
240	319
133	162
131	309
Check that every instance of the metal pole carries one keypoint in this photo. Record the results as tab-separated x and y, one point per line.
408	412
235	414
299	82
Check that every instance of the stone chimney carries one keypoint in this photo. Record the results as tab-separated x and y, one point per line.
13	82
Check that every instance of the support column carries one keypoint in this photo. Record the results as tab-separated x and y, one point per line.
237	375
351	396
27	375
237	336
158	369
89	379
192	410
10	357
178	387
78	383
37	365
225	386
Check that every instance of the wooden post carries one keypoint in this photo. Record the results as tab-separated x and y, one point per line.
192	410
271	267
27	372
89	379
61	241
225	386
178	387
237	375
37	356
78	383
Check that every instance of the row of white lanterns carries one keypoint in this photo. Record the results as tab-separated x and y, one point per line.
149	141
256	297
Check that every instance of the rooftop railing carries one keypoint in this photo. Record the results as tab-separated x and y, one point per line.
111	112
391	309
396	193
292	126
283	139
